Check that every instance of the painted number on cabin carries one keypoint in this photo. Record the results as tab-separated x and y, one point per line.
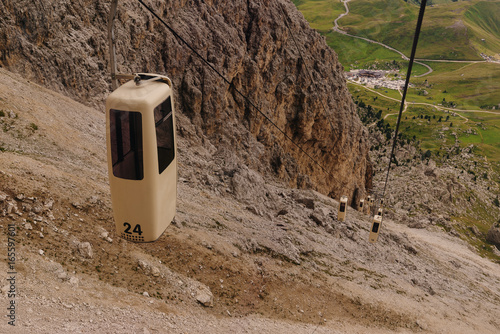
137	229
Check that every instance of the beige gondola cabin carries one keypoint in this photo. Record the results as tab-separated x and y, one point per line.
342	208
375	230
142	161
361	203
379	212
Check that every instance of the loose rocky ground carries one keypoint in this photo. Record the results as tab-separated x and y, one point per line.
244	254
458	193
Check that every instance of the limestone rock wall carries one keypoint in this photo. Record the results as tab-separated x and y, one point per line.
63	45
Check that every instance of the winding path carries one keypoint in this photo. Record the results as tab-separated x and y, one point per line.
336	28
457	111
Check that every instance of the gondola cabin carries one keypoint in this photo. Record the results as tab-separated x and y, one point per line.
361	203
142	161
342	208
379	212
377	223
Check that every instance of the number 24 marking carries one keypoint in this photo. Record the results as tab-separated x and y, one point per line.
137	229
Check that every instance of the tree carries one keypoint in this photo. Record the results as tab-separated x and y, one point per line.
426	155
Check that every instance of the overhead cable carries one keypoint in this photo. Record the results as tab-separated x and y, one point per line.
230	84
407	82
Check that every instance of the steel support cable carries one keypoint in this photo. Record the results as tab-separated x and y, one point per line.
407	82
230	83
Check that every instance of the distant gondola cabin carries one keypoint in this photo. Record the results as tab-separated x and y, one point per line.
142	161
379	212
375	230
342	208
361	203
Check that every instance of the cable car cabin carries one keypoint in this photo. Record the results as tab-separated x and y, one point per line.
142	161
377	223
342	208
361	203
379	212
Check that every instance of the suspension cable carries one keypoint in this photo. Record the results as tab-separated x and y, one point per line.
407	82
231	84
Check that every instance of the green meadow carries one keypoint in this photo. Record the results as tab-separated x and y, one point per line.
452	30
473	86
320	13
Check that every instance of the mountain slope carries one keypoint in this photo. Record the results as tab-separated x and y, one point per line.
64	46
277	264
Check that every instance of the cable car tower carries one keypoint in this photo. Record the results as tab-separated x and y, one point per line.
141	150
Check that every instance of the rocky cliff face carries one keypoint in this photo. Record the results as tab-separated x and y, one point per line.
63	45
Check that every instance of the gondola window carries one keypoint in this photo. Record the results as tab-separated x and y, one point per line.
126	144
342	207
164	134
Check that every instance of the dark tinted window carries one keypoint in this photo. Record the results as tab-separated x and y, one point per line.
164	134
360	204
126	144
342	207
375	227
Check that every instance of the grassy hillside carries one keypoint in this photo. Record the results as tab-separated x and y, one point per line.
470	86
483	21
320	13
451	30
437	130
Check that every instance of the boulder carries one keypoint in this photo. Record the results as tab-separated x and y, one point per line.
493	235
204	296
85	250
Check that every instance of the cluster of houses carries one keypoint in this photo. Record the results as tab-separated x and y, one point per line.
374	78
489	58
